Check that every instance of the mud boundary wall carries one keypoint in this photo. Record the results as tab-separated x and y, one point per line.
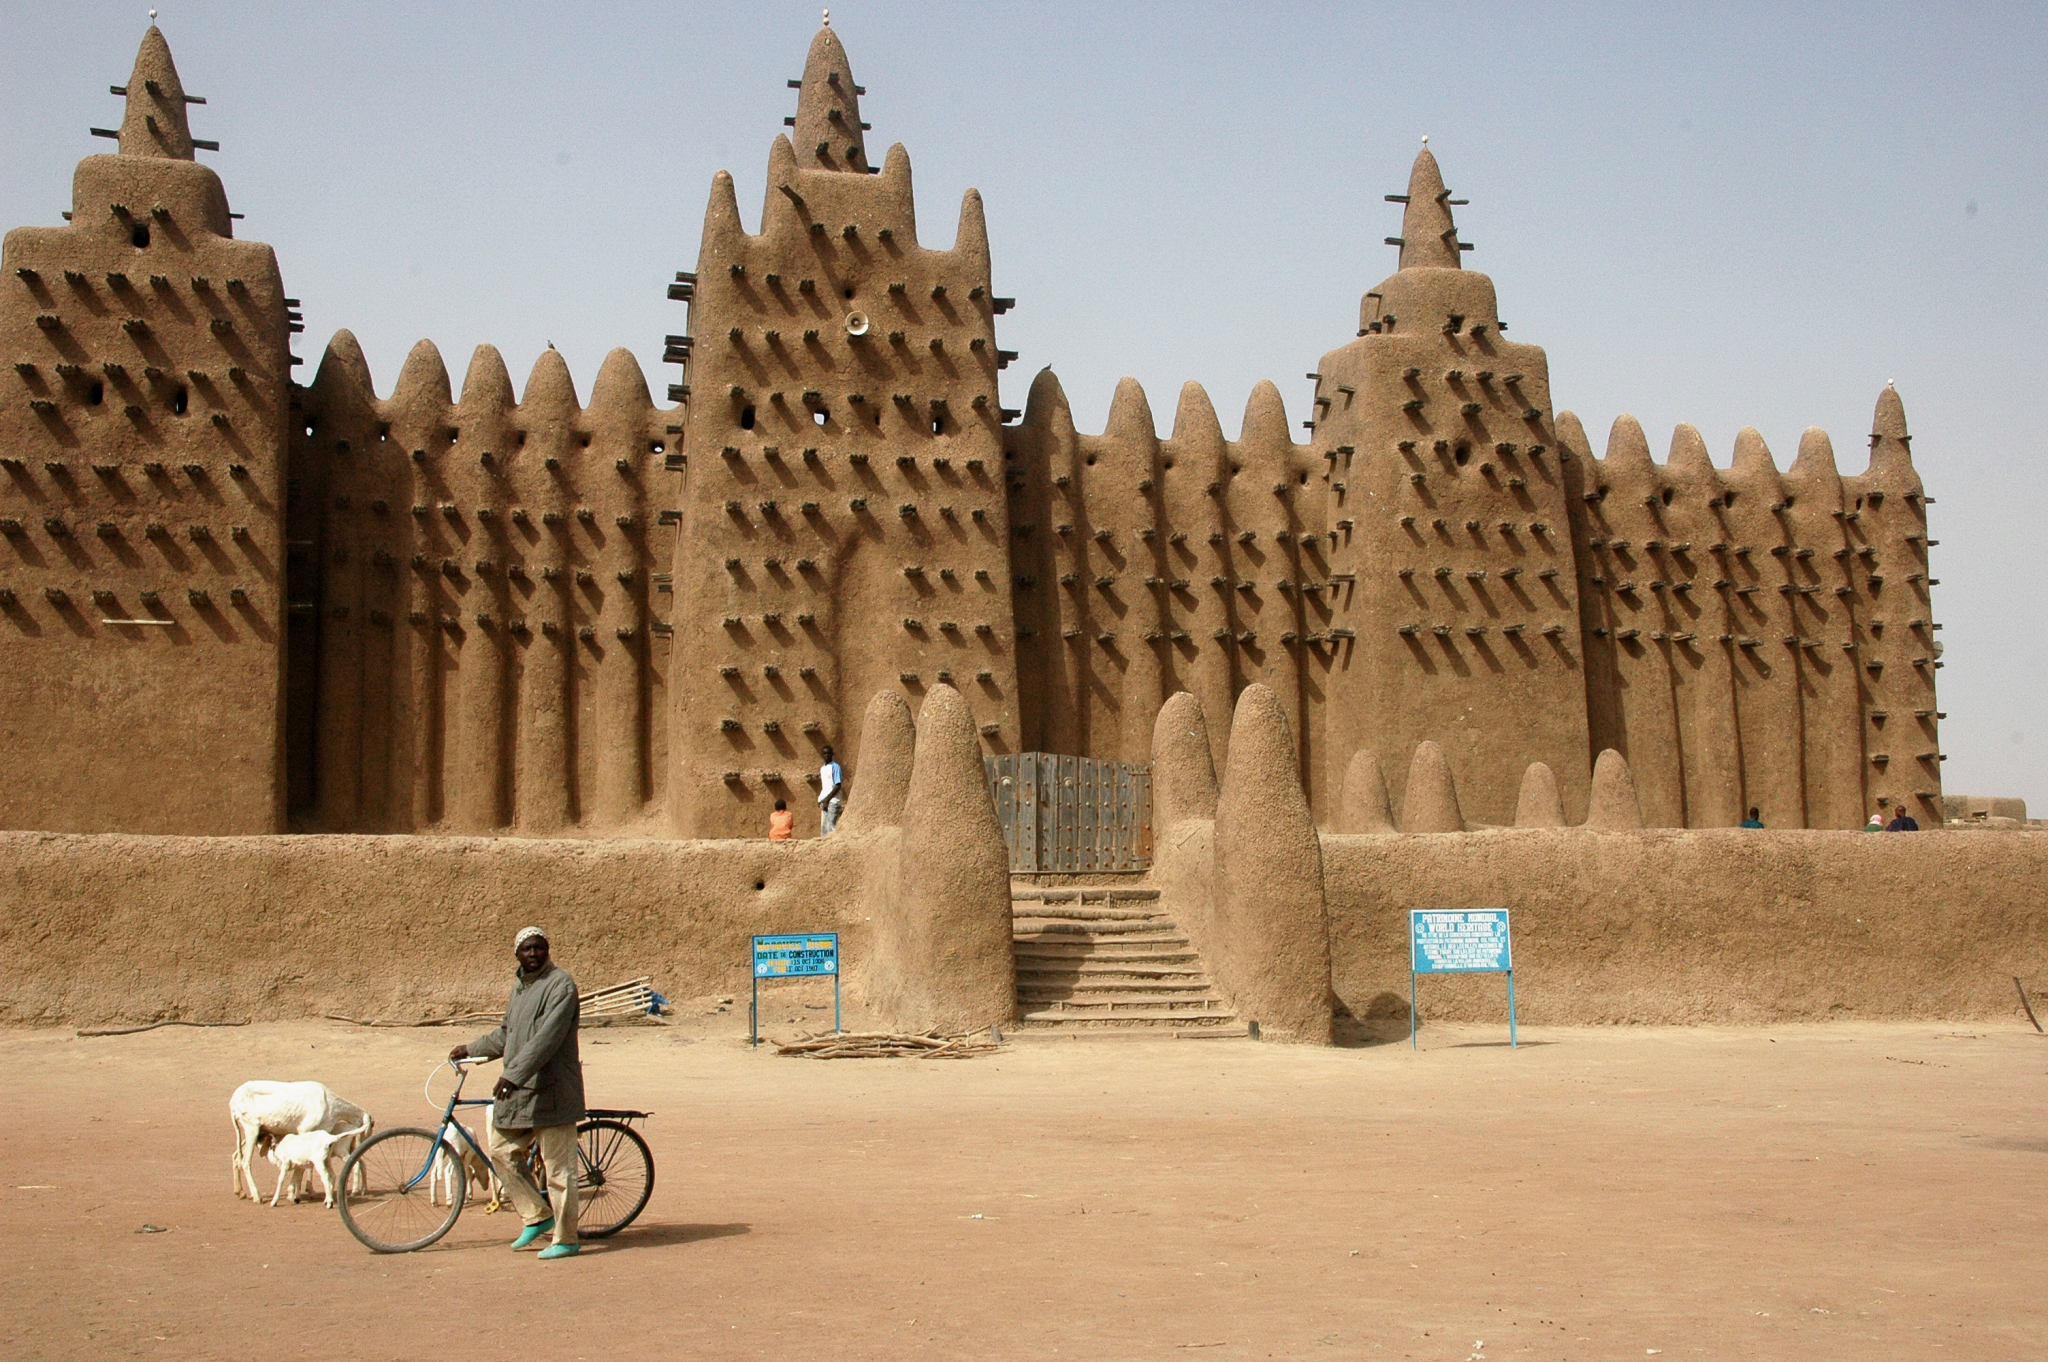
1651	927
115	928
1699	926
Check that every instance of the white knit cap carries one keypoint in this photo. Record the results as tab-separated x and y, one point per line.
526	934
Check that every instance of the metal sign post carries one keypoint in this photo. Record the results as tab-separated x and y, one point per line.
1460	941
794	957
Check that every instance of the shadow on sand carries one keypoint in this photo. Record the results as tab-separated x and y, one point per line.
643	1235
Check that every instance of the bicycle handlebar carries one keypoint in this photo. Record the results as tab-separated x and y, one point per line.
461	1076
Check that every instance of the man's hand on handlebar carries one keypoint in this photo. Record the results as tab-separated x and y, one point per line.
459	1052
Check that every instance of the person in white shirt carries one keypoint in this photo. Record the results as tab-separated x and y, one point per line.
831	794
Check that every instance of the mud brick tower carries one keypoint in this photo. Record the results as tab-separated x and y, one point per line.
844	528
1452	612
141	486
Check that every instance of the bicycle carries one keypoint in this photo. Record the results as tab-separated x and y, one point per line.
396	1210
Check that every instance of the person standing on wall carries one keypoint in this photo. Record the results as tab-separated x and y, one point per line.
539	1098
831	794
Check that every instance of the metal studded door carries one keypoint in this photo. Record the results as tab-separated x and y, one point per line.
1064	814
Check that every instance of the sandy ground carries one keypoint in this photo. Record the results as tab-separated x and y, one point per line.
1841	1191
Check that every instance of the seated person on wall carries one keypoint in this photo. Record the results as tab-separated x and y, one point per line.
1903	822
781	823
1754	820
1876	823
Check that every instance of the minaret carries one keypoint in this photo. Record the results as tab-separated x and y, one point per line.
826	129
142	573
1885	512
1453	603
845	528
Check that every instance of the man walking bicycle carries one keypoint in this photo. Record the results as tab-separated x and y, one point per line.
539	1098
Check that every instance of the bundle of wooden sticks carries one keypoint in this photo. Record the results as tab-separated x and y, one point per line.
630	999
888	1045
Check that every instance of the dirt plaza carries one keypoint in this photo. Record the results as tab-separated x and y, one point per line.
1821	1191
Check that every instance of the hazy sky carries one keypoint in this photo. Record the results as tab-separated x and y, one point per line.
1725	214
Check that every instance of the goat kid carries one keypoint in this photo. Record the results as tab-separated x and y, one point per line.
314	1150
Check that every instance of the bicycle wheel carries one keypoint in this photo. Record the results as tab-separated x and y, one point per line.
395	1212
616	1175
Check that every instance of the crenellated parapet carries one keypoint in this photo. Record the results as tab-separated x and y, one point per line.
1145	566
480	629
1747	646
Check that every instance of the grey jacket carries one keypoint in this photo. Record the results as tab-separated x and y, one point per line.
538	1042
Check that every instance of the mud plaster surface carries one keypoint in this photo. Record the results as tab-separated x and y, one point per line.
1668	926
1805	1192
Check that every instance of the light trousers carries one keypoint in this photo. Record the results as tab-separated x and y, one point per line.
828	815
558	1152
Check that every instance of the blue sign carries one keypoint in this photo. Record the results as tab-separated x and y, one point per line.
777	957
1459	941
809	956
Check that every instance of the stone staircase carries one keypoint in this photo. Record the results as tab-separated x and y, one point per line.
1103	959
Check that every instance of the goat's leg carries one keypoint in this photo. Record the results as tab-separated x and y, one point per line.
245	1149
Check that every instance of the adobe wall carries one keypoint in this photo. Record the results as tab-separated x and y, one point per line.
1757	638
1662	926
479	628
112	928
120	928
1671	926
1145	567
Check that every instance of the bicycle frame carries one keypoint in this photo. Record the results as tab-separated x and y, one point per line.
455	1099
611	1161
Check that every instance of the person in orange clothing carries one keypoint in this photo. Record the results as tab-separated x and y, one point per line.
781	823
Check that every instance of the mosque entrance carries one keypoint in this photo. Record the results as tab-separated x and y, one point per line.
1072	815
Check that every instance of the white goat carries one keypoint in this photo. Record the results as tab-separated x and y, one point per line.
312	1149
262	1112
441	1180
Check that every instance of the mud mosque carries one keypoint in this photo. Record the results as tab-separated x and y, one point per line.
233	602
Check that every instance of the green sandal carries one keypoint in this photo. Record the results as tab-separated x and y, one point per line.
533	1232
561	1251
